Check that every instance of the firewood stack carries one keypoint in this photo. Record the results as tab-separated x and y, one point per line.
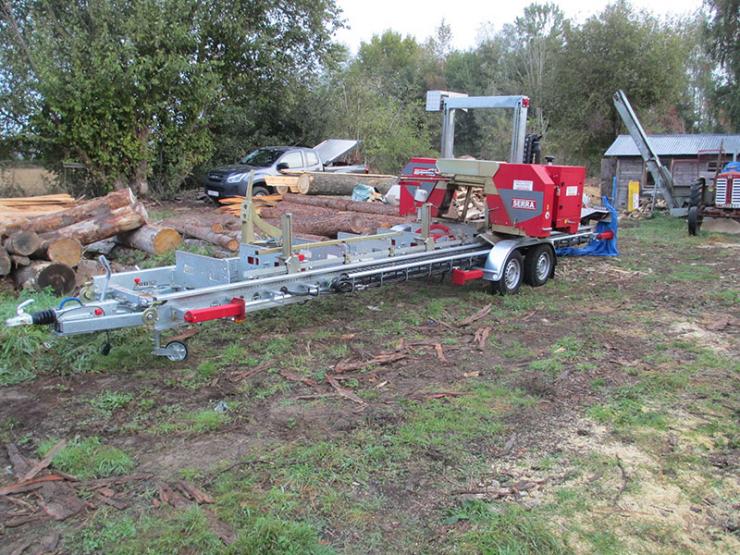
41	245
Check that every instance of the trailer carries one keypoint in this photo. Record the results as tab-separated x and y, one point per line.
533	212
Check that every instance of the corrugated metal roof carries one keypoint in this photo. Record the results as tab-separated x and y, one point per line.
668	145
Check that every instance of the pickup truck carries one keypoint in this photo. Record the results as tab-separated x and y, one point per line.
229	181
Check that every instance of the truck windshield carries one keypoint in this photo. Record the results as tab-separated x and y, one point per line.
262	157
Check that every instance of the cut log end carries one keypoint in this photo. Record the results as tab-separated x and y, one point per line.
5	262
23	242
66	250
153	239
168	239
39	275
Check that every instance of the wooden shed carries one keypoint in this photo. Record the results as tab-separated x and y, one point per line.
688	157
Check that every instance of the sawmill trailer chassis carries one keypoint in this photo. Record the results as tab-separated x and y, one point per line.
532	212
200	288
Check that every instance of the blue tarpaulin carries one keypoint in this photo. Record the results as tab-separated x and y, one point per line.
598	247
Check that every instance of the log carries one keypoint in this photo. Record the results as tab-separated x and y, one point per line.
327	183
205	234
19	261
285	184
66	250
38	275
298	210
342	204
325	226
105	247
348	222
85	271
106	224
24	242
85	211
6	263
153	239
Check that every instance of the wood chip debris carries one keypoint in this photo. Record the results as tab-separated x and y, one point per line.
482	313
440	353
293	377
45	462
481	336
241	375
442	394
346	393
378	360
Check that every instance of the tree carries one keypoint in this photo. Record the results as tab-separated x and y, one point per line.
722	43
535	40
137	89
616	49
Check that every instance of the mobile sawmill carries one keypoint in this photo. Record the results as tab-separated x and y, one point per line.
532	211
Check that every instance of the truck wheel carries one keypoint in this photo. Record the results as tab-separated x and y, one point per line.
538	265
511	276
694	220
260	191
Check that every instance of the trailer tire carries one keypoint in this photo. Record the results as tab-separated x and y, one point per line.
176	351
512	275
539	264
694	220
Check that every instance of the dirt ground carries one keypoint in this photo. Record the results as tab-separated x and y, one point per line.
598	415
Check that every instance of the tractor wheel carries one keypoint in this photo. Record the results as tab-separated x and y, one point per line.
538	265
697	190
695	220
511	275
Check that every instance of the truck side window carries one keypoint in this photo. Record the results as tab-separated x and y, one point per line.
293	159
312	158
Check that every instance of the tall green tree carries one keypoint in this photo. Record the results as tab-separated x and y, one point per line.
616	49
535	41
722	43
137	89
377	97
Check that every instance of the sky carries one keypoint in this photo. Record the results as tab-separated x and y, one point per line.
420	18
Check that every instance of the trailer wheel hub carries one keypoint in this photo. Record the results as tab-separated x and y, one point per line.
543	266
512	273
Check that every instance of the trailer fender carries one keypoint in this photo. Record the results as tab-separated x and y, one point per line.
497	257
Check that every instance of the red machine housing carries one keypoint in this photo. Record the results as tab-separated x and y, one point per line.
529	199
536	200
422	174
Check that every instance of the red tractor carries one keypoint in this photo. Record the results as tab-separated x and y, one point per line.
724	203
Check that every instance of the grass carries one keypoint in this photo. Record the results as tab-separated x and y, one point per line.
504	529
449	423
189	531
207	420
88	458
110	401
325	476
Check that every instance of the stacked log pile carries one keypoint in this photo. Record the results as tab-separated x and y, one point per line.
42	247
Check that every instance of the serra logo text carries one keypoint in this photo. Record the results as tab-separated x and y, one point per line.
523	203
